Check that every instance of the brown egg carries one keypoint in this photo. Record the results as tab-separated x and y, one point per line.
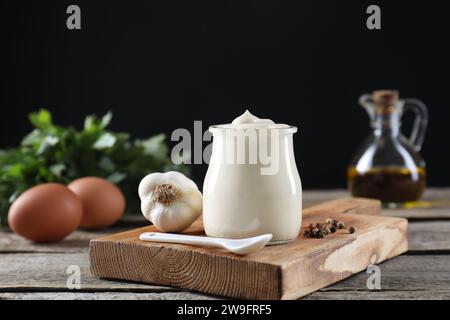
45	213
103	203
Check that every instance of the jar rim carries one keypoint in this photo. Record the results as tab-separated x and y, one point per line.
223	127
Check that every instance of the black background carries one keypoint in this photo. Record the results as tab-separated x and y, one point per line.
160	65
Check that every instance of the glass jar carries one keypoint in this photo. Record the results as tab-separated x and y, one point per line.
249	191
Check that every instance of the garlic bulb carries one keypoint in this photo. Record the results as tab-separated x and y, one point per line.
171	201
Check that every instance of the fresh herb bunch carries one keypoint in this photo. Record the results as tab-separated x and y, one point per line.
52	153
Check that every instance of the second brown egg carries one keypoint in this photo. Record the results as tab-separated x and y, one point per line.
103	202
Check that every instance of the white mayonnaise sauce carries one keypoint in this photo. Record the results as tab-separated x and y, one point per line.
242	198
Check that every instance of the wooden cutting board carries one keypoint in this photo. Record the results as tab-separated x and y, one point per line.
285	271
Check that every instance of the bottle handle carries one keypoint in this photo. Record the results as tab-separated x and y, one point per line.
420	122
366	102
365	99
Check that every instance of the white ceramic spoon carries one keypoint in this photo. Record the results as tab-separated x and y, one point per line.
238	246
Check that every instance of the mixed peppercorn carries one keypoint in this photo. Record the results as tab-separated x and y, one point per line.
330	226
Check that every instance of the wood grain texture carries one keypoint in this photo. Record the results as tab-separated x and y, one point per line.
380	295
44	271
404	273
77	241
422	236
426	236
30	276
47	272
277	272
74	295
435	203
41	275
346	205
319	295
432	213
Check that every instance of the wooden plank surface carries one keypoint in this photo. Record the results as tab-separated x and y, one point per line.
24	275
435	203
78	241
404	273
44	272
422	236
104	296
336	295
426	236
402	277
329	295
380	295
51	276
345	205
287	271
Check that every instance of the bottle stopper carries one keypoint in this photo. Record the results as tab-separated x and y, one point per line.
385	98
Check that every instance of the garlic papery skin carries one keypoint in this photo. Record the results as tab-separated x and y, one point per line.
171	201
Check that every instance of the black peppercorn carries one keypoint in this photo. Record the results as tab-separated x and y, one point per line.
319	230
314	232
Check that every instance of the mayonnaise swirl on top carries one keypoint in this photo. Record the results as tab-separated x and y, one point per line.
248	120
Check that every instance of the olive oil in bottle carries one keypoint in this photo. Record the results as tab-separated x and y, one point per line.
390	185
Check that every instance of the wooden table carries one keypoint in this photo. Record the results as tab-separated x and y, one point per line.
36	271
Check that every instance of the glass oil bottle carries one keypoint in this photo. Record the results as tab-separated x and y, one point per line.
388	165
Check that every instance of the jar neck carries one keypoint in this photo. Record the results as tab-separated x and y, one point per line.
386	124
